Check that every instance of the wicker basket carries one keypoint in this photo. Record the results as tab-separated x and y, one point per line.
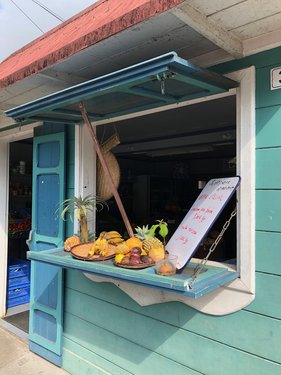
104	191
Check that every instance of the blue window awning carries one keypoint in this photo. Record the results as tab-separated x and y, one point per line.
163	80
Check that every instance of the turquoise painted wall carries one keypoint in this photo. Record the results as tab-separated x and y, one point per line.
106	332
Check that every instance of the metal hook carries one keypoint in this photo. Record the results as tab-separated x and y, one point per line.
20	125
162	78
163	86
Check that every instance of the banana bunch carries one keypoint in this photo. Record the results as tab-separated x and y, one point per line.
113	237
99	247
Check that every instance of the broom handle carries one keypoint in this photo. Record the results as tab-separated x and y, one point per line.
106	169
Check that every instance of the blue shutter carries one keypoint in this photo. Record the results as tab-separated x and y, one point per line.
45	331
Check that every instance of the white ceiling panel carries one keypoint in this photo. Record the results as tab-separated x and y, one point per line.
260	27
159	35
208	7
245	13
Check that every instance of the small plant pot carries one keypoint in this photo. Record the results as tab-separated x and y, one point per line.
167	266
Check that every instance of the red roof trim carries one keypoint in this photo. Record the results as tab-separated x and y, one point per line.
96	23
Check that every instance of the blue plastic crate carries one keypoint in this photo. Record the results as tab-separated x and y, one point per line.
18	295
18	268
18	283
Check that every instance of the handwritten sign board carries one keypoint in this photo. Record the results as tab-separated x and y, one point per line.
200	218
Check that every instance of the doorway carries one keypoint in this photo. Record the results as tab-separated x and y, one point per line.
19	225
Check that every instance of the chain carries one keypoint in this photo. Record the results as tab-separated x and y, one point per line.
203	262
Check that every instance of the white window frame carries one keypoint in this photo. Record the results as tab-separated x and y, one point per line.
240	292
6	137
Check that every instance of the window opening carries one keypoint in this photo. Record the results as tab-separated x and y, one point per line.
165	160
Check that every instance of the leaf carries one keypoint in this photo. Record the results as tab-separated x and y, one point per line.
163	229
152	230
65	210
80	206
77	214
83	210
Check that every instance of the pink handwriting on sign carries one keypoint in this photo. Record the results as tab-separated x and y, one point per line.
190	230
183	239
199	218
206	210
195	209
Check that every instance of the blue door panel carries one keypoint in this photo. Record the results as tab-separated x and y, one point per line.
45	325
48	154
48	185
44	286
46	292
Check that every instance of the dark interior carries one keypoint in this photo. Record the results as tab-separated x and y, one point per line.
165	158
19	225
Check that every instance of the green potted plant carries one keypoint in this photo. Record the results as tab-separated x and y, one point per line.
79	207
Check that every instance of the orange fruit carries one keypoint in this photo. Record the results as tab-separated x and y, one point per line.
166	269
134	242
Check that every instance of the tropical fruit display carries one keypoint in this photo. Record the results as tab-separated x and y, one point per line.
151	244
130	253
105	245
133	259
142	250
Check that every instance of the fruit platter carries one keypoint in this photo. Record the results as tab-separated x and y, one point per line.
138	252
103	248
84	251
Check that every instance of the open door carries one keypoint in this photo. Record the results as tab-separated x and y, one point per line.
46	293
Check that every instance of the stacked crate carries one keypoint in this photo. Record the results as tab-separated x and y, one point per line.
18	285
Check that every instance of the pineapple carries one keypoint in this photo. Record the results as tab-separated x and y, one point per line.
155	248
151	244
144	233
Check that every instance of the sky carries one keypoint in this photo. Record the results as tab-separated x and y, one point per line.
22	21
